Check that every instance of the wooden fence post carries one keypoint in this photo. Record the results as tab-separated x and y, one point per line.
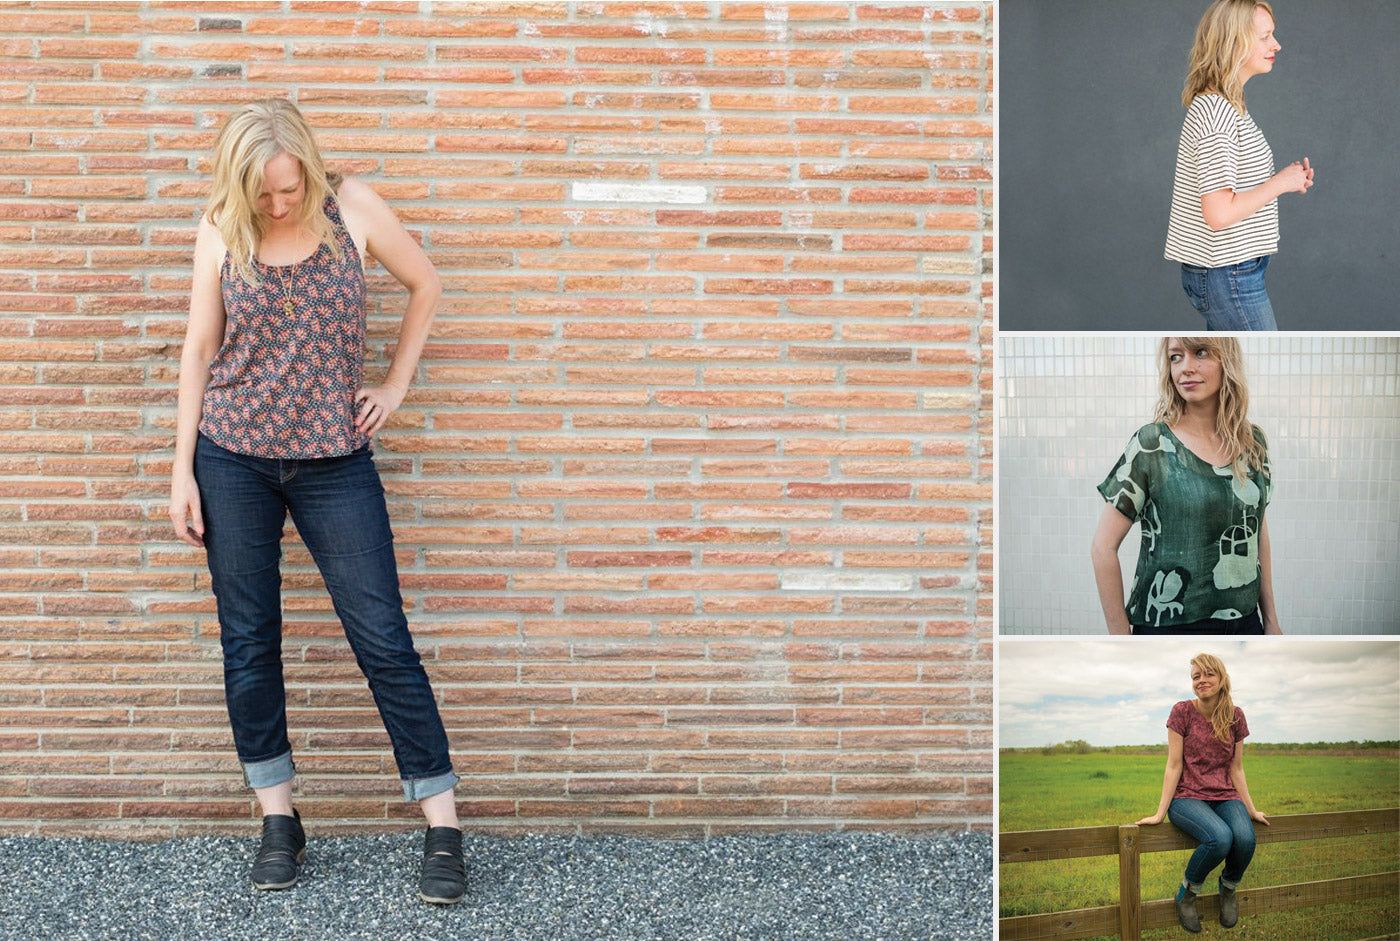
1131	915
1129	888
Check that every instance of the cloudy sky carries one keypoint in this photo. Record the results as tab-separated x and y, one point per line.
1120	692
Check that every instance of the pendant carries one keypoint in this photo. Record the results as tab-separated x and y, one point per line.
287	308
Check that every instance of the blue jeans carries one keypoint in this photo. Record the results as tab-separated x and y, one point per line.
337	504
1232	297
1224	831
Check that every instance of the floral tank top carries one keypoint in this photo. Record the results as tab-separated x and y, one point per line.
283	383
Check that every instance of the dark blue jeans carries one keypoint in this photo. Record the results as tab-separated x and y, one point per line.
1224	831
337	504
1231	297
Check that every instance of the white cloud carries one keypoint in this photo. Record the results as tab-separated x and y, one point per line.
1119	692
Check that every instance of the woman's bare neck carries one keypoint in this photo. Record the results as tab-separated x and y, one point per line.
1197	420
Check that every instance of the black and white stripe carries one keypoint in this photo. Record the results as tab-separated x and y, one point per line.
1219	149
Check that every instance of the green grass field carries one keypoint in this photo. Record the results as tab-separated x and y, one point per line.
1041	792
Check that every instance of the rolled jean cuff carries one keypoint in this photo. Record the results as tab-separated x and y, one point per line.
271	772
415	789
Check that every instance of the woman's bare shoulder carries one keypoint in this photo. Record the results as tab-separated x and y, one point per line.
366	213
360	198
208	239
355	191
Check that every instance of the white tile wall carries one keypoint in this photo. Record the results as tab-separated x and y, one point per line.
1067	405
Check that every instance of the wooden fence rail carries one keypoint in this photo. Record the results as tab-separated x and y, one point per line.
1132	915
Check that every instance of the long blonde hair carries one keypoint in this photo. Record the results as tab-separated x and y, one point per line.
1224	39
253	135
1232	424
1222	716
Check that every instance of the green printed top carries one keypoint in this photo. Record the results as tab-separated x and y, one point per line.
1200	530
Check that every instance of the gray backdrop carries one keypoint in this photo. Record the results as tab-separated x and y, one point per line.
1090	111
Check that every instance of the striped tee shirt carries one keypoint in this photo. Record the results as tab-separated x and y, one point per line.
1219	149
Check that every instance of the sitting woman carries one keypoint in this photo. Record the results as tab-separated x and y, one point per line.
1204	791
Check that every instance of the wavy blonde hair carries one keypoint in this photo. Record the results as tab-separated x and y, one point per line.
1224	39
1232	424
253	135
1222	717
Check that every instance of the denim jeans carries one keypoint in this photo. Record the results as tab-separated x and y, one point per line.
1232	297
337	504
1224	831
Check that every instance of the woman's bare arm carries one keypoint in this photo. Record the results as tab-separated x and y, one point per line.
1268	613
1170	779
1108	572
389	242
1223	208
204	334
1237	779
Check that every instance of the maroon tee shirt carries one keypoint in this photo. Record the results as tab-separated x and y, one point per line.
283	385
1205	759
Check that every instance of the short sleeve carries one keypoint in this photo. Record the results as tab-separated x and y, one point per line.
1129	485
1218	146
1266	479
1178	720
1240	729
1217	163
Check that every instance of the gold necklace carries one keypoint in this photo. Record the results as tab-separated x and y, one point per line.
287	306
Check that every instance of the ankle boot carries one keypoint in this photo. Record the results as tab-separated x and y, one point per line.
1186	910
443	877
282	852
1229	907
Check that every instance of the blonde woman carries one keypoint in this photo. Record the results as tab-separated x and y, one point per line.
274	418
1224	214
1198	481
1204	792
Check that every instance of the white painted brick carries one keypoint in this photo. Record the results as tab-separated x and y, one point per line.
846	581
637	193
933	265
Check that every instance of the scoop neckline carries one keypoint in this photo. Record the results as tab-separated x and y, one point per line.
1216	94
314	252
1187	448
330	199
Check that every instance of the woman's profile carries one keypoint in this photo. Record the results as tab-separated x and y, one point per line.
1223	226
1204	792
1197	480
274	418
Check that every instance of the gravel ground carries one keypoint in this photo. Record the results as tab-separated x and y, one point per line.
537	888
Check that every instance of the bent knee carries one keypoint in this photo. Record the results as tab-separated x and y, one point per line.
1220	842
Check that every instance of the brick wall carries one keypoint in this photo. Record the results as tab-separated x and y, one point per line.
692	493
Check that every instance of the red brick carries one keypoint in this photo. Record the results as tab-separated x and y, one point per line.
629	422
